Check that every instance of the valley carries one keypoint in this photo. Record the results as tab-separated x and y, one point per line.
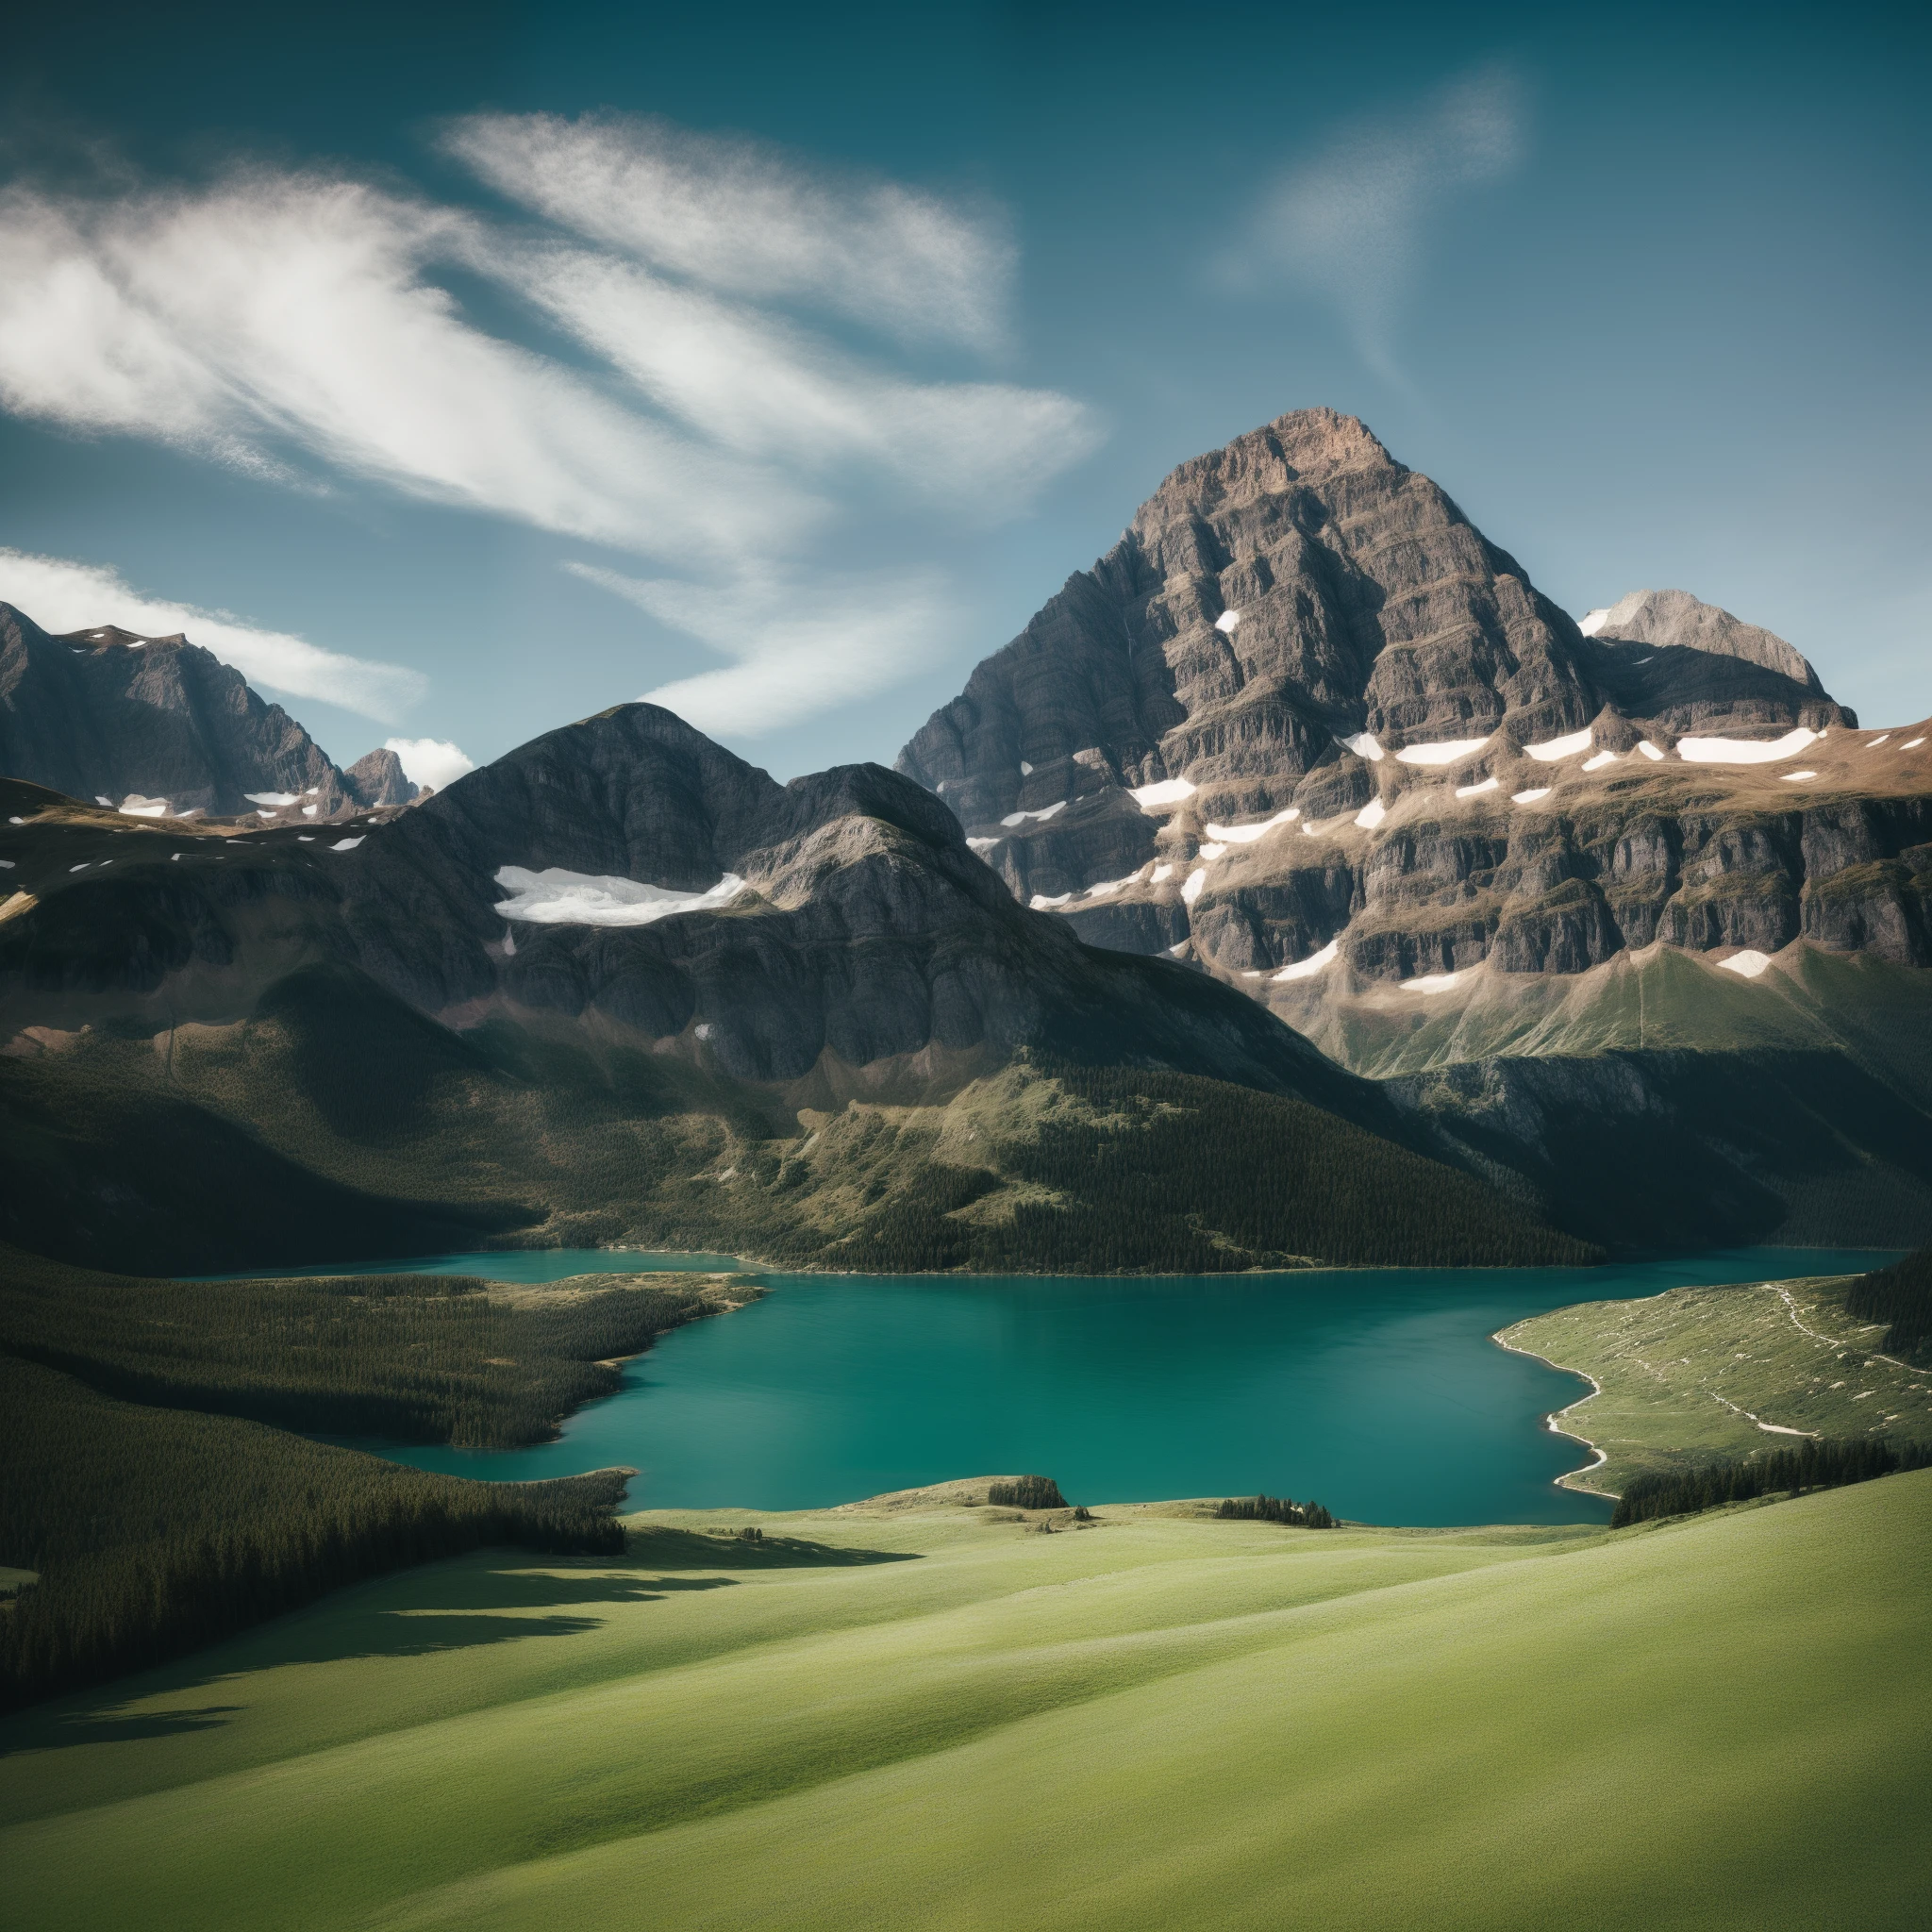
468	1257
915	1710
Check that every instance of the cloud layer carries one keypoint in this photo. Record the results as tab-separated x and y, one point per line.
61	595
673	389
1352	222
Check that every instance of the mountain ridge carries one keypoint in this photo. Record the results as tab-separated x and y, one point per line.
161	728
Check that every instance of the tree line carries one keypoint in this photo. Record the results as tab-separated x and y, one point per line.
1901	1296
1026	1492
156	1487
157	1530
1824	1465
410	1358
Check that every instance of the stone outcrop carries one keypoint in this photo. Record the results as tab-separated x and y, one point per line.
163	728
378	778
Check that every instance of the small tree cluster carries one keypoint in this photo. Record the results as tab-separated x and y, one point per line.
1276	1510
1026	1492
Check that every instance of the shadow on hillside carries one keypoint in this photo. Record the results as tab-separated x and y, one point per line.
116	1727
657	1548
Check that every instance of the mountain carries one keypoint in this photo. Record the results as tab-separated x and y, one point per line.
1307	728
1269	719
162	728
621	986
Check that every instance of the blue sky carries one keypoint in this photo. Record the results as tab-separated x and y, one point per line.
475	368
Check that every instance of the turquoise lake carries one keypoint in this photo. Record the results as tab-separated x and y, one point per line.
1375	1391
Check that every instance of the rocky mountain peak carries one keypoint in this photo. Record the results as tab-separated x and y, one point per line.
1304	710
378	778
1674	620
160	723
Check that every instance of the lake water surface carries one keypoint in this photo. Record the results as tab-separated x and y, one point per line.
1375	1391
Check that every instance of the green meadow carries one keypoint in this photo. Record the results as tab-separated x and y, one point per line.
1732	1371
917	1712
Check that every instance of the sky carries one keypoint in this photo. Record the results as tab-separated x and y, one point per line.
456	372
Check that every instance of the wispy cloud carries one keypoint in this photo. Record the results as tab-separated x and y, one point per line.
61	595
745	219
433	762
759	386
306	327
799	647
290	317
1351	223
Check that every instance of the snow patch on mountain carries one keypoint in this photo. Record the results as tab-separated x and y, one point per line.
1745	750
557	897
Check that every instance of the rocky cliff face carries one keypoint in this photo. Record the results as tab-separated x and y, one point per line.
1304	726
630	877
164	729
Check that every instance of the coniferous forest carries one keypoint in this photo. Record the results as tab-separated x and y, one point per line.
1900	1296
156	1487
1789	1471
1266	1508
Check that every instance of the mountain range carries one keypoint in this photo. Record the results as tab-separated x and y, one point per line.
160	728
1300	884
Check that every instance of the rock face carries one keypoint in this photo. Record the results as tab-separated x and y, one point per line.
840	915
378	778
164	727
1304	715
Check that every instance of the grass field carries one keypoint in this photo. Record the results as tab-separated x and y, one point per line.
1704	1372
931	1715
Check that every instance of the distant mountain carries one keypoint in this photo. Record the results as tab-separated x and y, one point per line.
1304	713
1579	894
622	986
161	728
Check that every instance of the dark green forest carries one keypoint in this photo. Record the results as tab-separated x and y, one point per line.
1026	1492
1787	1472
155	1531
412	1358
155	1488
1900	1296
1178	1176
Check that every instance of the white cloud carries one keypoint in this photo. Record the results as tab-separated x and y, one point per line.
61	595
1351	223
801	646
294	311
742	218
432	761
298	325
759	386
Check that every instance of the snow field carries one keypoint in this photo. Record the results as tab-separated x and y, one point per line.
1306	969
1444	752
1745	750
558	897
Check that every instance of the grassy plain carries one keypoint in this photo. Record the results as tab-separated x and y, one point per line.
1705	1372
931	1715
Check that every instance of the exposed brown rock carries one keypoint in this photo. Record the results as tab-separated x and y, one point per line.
1284	618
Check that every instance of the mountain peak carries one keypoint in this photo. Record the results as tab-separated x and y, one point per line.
1675	619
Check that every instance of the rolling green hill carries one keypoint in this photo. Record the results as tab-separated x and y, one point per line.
916	1714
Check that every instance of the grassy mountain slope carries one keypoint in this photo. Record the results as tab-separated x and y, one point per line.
1701	1373
354	1125
933	1716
